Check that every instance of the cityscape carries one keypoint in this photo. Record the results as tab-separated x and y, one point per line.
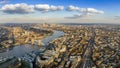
59	34
83	46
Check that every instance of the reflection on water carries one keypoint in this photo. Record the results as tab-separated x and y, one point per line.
22	49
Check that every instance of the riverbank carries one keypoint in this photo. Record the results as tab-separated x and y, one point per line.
7	46
23	49
6	49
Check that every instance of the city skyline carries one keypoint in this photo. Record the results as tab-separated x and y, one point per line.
59	11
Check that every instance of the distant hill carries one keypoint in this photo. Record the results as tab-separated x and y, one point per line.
89	24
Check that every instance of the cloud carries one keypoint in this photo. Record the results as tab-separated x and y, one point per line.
56	8
75	16
72	8
83	12
92	10
86	10
3	1
79	16
21	8
46	7
43	7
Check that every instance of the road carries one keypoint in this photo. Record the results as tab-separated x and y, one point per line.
87	54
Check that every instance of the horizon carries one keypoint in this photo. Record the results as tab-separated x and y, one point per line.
66	23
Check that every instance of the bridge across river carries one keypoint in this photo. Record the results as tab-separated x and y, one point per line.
19	51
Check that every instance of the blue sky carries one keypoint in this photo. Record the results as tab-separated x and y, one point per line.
59	11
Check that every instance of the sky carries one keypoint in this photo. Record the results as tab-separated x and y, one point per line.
60	11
